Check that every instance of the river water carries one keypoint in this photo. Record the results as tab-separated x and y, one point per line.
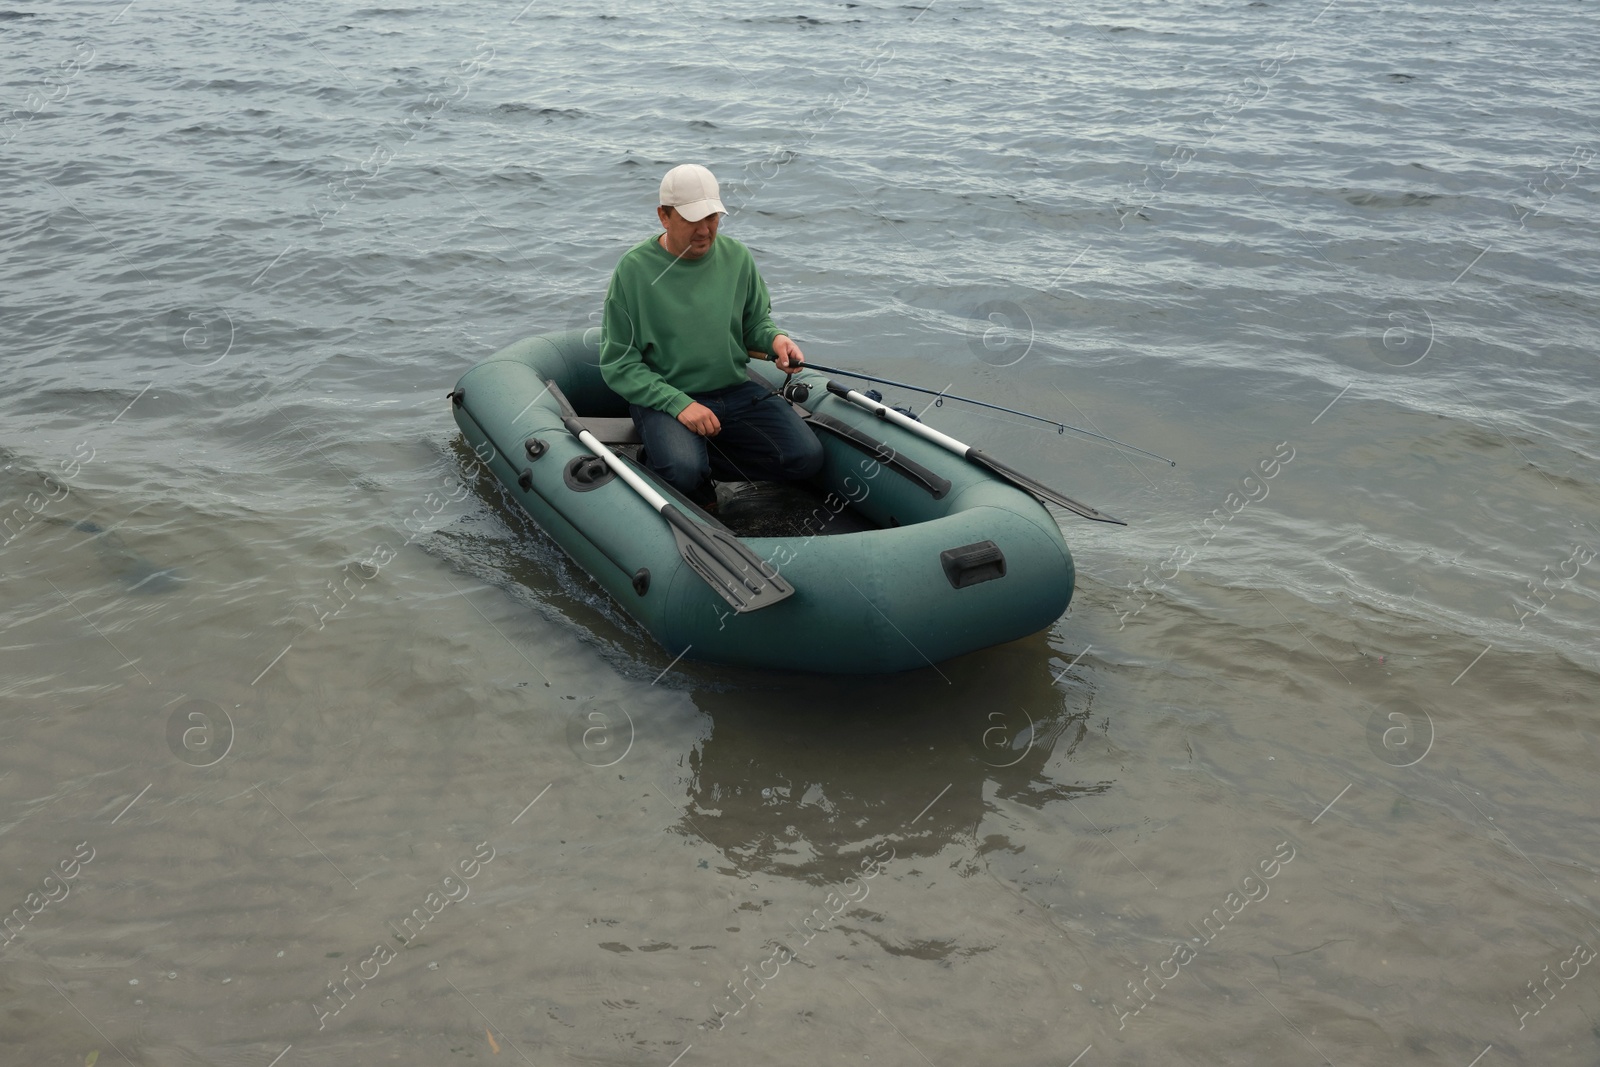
315	751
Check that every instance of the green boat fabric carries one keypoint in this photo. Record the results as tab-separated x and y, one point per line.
981	564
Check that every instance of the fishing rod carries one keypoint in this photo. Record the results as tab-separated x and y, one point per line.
1061	427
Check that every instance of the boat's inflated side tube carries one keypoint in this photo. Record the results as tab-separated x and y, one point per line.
964	560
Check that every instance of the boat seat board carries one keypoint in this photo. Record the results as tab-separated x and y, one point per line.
613	431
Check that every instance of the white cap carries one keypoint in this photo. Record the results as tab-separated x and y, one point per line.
692	191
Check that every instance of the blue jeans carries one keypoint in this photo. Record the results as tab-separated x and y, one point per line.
762	439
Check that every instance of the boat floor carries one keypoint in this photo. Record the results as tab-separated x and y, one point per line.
783	509
778	509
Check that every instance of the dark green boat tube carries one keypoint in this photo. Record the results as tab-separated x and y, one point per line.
962	561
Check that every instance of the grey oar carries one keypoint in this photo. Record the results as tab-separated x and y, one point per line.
1038	490
721	560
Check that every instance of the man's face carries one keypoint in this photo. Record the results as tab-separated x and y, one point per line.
685	239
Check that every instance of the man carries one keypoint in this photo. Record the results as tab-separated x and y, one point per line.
682	311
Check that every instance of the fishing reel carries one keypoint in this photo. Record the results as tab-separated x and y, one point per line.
795	391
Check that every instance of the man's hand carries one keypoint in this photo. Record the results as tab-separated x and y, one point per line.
786	354
700	419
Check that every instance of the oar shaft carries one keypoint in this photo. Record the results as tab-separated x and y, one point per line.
921	429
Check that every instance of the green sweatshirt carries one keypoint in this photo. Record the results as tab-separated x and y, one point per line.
678	326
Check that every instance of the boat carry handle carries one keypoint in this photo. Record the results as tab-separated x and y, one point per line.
981	561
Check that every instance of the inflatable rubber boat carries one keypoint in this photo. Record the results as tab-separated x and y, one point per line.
917	548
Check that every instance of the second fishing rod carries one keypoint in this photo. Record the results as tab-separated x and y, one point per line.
941	396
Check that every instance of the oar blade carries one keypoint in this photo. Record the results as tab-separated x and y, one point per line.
1038	490
727	565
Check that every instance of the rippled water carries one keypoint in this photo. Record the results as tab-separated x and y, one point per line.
286	669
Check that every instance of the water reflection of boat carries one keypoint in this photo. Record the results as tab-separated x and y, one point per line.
134	571
791	780
909	555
